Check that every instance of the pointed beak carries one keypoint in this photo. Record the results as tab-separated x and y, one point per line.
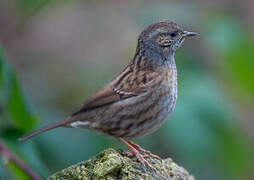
189	34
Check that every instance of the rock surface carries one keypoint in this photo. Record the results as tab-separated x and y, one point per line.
114	165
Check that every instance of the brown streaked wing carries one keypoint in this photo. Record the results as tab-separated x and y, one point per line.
127	84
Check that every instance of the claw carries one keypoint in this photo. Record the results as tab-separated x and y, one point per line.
143	161
135	150
147	153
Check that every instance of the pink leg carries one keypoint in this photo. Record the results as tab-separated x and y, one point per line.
137	153
140	149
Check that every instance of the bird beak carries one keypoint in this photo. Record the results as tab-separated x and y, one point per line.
189	34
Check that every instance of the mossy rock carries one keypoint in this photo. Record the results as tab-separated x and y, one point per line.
114	165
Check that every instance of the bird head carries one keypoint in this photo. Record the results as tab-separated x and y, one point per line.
162	39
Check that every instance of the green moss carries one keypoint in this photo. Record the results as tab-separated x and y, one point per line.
113	165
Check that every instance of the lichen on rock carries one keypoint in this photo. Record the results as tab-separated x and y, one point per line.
114	165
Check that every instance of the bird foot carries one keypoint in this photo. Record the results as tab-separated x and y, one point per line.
141	159
136	150
147	153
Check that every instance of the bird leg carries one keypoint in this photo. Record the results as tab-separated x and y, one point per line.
140	149
137	153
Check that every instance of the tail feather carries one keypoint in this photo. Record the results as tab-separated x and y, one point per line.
44	129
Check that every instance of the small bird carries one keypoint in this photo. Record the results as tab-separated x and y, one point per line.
140	98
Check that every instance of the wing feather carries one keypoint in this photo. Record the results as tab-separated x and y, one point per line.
128	84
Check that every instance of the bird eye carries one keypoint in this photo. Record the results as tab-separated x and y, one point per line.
173	34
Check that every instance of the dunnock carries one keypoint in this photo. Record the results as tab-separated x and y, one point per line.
141	97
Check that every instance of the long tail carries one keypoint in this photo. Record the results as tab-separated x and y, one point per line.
47	128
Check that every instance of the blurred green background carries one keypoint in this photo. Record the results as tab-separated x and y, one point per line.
54	54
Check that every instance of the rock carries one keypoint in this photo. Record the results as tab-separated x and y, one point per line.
114	165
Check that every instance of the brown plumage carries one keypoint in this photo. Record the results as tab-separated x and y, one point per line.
141	97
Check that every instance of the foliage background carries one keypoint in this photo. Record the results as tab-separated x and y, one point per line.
56	53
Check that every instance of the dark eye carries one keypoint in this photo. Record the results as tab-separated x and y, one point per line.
173	34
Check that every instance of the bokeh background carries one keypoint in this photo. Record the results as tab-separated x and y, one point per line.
54	54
